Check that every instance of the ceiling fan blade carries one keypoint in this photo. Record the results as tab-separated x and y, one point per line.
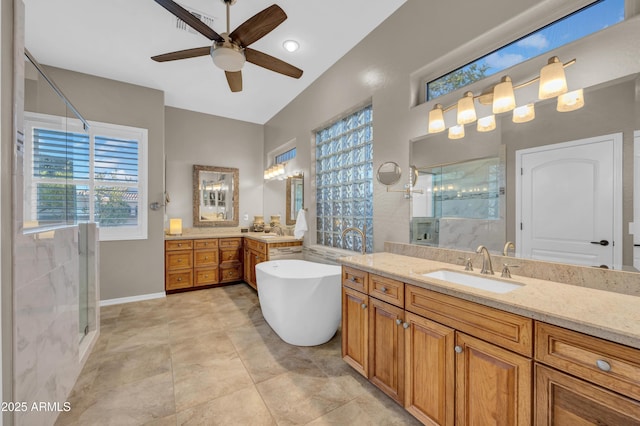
189	19
183	54
259	25
235	80
269	62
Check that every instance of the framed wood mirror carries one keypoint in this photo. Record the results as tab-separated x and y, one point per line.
215	196
295	198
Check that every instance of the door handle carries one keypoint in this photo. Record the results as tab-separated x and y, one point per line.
601	242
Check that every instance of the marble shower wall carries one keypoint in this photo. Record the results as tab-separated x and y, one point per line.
47	355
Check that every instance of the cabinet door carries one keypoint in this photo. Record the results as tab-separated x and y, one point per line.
355	328
386	348
493	385
429	371
565	400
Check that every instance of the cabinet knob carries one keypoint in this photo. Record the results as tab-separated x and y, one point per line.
458	349
398	321
206	258
405	325
206	276
179	244
179	260
383	289
364	306
603	365
352	279
180	279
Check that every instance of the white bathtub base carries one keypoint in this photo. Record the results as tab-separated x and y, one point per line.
300	300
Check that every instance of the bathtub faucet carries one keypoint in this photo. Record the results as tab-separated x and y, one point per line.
363	235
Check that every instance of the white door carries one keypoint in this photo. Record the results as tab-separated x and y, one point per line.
569	203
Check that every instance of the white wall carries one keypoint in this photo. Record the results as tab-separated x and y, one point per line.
419	40
196	138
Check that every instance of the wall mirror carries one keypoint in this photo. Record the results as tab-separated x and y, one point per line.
295	198
215	196
389	173
610	108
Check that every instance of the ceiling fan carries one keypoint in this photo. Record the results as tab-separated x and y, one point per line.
230	49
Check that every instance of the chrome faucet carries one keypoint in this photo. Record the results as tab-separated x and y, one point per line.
508	245
487	268
363	235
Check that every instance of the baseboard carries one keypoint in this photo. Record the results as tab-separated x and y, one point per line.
130	299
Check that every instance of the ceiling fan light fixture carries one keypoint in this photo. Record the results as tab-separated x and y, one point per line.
227	56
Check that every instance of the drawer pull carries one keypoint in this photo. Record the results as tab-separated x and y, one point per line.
364	306
383	289
458	349
206	258
398	321
603	365
179	244
352	279
179	260
179	278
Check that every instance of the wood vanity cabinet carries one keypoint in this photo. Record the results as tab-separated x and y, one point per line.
372	331
355	319
230	259
254	252
178	260
205	262
606	391
454	375
431	353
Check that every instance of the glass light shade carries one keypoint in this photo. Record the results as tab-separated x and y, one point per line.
436	119
503	98
175	226
524	113
227	58
466	109
571	101
456	132
487	124
552	79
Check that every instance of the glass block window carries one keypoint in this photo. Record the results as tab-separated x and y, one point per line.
579	24
286	156
344	181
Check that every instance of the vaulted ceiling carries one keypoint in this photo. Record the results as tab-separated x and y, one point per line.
115	39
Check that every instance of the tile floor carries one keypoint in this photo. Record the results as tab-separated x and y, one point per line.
208	358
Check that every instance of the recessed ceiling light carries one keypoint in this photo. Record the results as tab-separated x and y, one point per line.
291	45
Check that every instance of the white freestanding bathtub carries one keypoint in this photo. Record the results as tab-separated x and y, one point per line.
300	300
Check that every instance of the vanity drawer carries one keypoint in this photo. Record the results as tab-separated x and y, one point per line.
611	365
505	329
178	260
355	279
230	243
205	276
178	280
178	245
209	243
229	255
258	246
233	273
391	291
205	257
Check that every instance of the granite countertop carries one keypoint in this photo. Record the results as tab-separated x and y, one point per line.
260	236
604	314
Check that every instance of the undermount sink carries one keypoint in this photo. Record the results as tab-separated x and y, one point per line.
488	284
